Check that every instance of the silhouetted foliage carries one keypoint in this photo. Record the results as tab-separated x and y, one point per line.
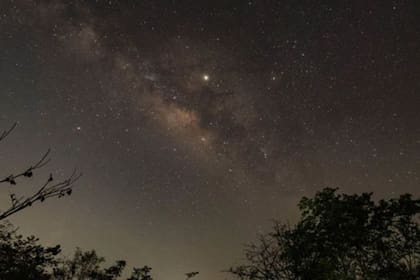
24	258
50	188
87	265
341	236
141	273
338	237
191	274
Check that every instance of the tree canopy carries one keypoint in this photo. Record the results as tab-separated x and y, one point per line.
25	259
340	236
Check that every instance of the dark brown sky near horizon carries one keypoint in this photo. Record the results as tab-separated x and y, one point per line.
197	122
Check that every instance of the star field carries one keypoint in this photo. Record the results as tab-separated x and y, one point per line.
197	122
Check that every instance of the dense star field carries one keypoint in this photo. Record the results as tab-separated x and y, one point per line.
197	122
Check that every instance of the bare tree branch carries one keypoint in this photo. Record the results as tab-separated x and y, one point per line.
47	190
11	179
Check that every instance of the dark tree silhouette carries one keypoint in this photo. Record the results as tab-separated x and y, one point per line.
190	275
50	188
340	236
141	273
24	258
87	265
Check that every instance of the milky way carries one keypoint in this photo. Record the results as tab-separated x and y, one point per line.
197	122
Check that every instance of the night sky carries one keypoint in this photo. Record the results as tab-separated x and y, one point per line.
196	123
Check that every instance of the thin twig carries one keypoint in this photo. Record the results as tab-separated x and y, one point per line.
5	133
11	179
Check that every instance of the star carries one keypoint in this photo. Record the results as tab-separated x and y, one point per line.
206	77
